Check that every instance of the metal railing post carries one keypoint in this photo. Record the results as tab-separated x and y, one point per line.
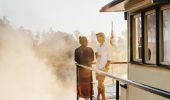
91	86
151	89
77	82
117	90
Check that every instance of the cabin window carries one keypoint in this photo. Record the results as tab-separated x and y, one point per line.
137	38
165	36
150	37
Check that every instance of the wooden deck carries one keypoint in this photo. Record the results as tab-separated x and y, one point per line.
110	90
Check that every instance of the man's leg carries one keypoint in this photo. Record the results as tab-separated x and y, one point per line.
102	88
99	90
103	92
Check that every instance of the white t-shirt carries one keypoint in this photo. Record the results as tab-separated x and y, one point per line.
104	56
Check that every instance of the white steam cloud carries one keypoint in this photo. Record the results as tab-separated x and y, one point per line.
36	72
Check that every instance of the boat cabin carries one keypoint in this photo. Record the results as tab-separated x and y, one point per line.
148	45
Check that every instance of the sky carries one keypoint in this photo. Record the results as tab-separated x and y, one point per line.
62	15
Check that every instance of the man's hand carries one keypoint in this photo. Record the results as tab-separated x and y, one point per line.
97	55
106	68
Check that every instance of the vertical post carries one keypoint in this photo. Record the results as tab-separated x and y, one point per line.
143	36
158	24
91	85
131	39
77	82
117	90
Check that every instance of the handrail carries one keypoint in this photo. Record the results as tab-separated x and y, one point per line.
148	88
115	62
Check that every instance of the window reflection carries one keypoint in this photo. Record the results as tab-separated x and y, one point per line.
137	40
150	44
166	36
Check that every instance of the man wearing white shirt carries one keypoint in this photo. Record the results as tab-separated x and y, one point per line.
103	58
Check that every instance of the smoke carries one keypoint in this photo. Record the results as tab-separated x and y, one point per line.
30	71
58	48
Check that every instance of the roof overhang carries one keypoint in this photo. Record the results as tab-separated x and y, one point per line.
119	5
114	6
160	1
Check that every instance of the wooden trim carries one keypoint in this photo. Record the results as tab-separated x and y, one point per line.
160	1
137	5
112	4
160	66
160	36
164	7
131	38
165	63
157	35
143	36
150	12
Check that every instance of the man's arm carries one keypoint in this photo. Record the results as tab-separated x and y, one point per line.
108	58
107	65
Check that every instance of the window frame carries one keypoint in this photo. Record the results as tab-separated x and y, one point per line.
132	16
157	8
162	8
152	11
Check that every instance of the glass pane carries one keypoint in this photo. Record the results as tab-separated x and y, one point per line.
150	50
137	38
166	35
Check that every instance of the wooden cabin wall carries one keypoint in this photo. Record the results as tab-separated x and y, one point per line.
149	75
152	75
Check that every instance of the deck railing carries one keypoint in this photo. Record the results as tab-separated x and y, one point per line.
145	87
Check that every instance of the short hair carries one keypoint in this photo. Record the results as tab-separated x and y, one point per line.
100	34
82	39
